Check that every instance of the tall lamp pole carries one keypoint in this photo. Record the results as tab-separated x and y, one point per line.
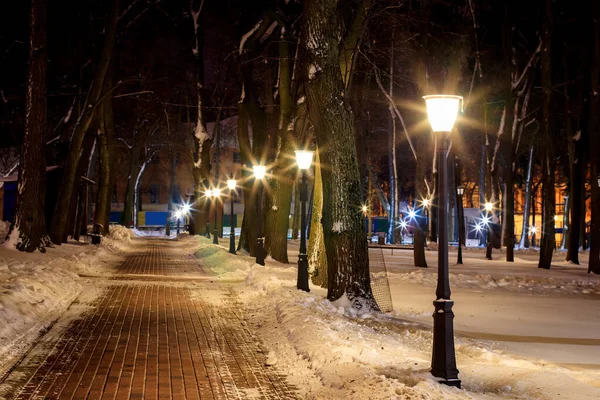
461	232
259	174
442	111
208	193
231	184
304	161
216	195
487	220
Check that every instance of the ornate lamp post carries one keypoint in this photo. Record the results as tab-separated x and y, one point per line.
459	192
216	193
442	111
231	184
488	217
304	161
259	174
208	193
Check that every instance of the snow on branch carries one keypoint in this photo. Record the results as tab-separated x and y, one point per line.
247	36
532	60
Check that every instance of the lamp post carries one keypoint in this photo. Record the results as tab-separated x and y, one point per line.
488	218
461	232
231	184
216	195
304	161
425	203
442	111
208	193
259	174
178	218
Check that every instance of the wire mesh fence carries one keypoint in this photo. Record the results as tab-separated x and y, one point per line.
380	284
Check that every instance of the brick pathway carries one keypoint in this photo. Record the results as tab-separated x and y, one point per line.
148	339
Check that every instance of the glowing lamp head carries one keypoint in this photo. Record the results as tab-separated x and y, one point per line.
364	209
304	159
478	227
216	192
426	202
489	206
403	224
412	214
208	192
231	184
533	229
259	171
186	209
178	214
460	190
485	220
442	111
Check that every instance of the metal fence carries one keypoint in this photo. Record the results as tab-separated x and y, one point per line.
380	285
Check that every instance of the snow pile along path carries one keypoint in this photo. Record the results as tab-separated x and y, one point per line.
329	350
36	288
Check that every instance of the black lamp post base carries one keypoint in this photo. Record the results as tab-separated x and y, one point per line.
215	237
443	363
208	230
302	283
260	251
232	243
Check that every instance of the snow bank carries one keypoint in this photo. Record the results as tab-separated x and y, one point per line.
329	350
36	288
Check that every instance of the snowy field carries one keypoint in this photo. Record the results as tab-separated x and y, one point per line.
521	332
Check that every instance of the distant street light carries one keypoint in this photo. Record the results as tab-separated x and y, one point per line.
442	111
488	243
208	193
304	161
364	209
231	185
460	191
259	175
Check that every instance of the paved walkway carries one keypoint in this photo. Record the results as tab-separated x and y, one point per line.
160	329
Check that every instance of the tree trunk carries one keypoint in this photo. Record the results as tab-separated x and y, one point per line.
30	218
174	159
524	242
343	226
58	231
134	169
317	257
419	222
104	188
548	232
594	128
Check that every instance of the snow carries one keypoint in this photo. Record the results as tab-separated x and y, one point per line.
330	350
36	288
247	36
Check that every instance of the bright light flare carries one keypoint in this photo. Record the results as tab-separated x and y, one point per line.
185	209
478	228
178	214
208	192
442	111
556	217
489	206
304	158
259	171
403	225
533	230
412	214
216	192
364	209
426	202
231	184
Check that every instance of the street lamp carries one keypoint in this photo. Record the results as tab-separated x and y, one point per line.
216	193
442	111
459	192
231	184
259	174
488	247
208	193
304	161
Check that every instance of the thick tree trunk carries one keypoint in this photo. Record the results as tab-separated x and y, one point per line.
104	188
174	159
30	219
317	257
248	233
594	126
548	232
64	204
343	226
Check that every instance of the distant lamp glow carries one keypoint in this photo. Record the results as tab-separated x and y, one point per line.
208	192
185	209
259	171
412	214
364	209
403	224
478	228
304	158
231	184
178	214
216	192
556	217
485	220
460	190
426	202
442	111
533	230
489	206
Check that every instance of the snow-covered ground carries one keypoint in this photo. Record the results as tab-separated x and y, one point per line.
521	332
36	288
